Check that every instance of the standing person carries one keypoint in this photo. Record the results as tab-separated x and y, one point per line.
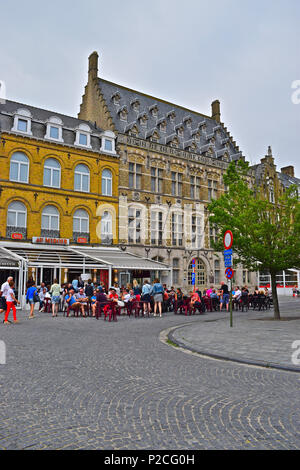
10	302
146	296
42	298
4	290
136	287
158	292
75	284
31	298
55	292
224	296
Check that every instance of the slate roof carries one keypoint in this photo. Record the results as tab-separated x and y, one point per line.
182	115
39	119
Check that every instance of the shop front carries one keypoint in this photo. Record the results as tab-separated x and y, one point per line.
11	266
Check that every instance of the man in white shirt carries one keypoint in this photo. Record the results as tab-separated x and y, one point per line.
5	287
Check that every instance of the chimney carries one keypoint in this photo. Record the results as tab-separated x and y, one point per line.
93	66
288	170
215	110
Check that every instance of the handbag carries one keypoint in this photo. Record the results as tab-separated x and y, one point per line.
36	297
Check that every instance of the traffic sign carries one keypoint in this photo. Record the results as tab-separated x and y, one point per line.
229	273
228	262
228	239
193	279
227	252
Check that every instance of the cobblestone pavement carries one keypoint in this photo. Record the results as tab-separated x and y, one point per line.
252	339
76	383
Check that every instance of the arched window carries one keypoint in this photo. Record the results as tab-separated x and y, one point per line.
50	218
52	173
106	183
19	167
106	227
82	178
81	221
16	215
200	272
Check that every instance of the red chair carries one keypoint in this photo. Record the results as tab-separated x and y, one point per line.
47	305
111	311
186	306
136	308
74	308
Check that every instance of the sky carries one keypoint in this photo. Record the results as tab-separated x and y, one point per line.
244	53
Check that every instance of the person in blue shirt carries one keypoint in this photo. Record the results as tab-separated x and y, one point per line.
146	296
158	292
71	300
94	303
75	284
30	298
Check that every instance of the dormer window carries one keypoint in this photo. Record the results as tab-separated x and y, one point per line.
171	115
154	110
135	105
162	125
179	130
187	121
83	136
123	113
143	118
116	98
197	136
54	129
108	142
22	121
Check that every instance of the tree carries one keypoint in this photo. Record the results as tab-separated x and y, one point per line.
266	234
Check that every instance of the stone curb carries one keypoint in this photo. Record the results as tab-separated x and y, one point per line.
194	349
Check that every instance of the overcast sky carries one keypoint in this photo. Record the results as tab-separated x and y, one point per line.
244	53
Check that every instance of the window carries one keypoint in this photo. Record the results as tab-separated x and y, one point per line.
196	232
134	225
19	167
176	271
212	189
217	271
200	272
106	183
176	183
83	136
212	235
156	180
82	178
22	125
81	221
156	225
108	142
82	139
50	218
16	215
195	187
177	229
106	227
135	176
54	129
22	121
52	173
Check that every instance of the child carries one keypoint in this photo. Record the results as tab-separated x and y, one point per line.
10	301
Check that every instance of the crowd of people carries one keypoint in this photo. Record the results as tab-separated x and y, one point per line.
154	298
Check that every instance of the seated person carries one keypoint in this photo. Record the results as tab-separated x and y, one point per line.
82	299
112	296
72	301
42	294
93	301
195	300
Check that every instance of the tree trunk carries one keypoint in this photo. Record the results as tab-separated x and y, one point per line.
275	296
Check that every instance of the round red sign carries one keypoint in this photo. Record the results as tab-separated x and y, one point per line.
228	239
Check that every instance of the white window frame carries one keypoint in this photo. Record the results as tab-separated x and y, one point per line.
81	173
54	122
16	213
104	180
81	218
111	136
134	225
52	169
24	115
85	130
26	164
50	216
106	226
196	235
177	228
156	227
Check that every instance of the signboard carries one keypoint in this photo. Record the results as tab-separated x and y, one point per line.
50	241
228	240
194	272
229	273
82	240
193	279
17	236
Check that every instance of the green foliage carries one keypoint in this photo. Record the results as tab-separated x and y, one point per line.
266	235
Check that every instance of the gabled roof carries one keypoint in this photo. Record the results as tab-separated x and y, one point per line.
206	124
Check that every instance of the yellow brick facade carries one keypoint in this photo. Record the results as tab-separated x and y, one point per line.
36	196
